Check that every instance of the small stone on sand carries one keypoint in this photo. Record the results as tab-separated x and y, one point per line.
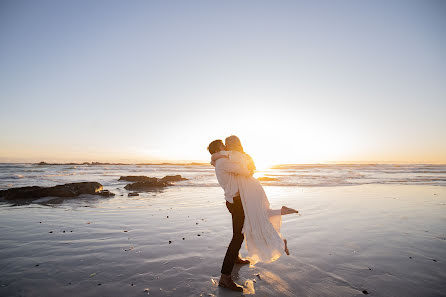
365	292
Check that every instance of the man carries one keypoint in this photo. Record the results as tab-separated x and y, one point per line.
225	171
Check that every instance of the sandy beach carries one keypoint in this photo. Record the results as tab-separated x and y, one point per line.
384	240
113	113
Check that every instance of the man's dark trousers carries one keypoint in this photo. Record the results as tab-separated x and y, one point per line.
238	218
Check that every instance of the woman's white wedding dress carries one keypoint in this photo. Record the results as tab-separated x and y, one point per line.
262	224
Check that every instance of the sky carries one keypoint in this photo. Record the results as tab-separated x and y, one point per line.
297	81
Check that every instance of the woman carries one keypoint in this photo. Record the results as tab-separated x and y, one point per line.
262	224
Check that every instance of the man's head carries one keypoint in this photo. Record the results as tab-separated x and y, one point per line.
233	144
216	146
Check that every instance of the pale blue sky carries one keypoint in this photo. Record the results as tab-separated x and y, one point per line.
311	81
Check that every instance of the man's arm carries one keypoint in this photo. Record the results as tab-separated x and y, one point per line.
233	167
217	156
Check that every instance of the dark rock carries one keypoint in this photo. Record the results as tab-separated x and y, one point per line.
65	191
42	163
365	292
266	178
141	186
173	178
142	183
105	193
133	194
170	241
138	178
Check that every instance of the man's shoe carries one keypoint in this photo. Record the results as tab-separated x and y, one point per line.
241	261
228	283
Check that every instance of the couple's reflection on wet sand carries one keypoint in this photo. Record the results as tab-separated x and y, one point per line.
272	280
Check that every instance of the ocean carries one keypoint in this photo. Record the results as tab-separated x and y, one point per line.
313	175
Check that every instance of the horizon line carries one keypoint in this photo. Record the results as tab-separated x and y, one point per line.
201	163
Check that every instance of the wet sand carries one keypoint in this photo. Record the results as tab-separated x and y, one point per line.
385	240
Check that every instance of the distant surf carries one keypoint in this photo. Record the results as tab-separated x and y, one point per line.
202	175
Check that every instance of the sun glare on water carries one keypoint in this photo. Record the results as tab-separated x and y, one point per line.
262	165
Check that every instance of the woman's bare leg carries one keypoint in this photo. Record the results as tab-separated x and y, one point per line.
286	247
286	210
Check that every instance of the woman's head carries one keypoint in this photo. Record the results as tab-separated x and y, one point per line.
233	143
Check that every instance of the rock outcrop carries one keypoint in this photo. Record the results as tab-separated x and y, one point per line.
173	178
64	191
143	178
147	185
138	178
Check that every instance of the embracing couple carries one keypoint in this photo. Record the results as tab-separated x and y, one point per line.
252	218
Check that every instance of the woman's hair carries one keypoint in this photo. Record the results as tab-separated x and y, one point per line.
214	146
233	143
